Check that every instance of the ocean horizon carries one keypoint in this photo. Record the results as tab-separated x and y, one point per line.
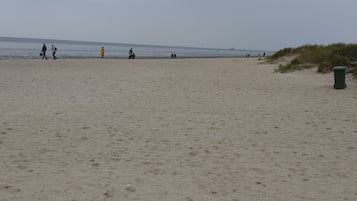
30	48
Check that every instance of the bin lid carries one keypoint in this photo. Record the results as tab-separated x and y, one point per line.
339	68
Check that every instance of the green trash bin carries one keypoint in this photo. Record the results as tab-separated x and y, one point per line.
340	77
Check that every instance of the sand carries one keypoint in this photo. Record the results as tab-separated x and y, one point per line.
176	130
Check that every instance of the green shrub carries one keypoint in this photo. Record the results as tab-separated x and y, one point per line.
338	60
324	57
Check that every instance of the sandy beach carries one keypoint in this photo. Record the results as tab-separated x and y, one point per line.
176	130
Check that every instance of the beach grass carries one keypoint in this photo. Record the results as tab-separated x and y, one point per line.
324	57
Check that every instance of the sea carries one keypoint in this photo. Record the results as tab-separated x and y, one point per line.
30	48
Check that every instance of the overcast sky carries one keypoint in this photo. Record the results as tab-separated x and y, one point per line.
242	24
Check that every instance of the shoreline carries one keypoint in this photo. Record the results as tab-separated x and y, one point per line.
137	58
30	49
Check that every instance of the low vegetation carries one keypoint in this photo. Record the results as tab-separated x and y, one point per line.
322	57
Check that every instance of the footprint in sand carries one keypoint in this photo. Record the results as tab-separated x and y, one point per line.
156	171
130	188
10	189
94	164
189	199
109	193
260	183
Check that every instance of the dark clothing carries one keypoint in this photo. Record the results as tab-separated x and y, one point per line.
54	50
43	51
131	54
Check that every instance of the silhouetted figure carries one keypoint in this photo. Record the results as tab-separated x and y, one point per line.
43	51
54	50
131	54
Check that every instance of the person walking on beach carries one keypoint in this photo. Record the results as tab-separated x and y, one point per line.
43	51
102	52
54	50
131	54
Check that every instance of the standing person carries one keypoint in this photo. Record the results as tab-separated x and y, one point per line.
54	50
102	52
43	51
131	54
